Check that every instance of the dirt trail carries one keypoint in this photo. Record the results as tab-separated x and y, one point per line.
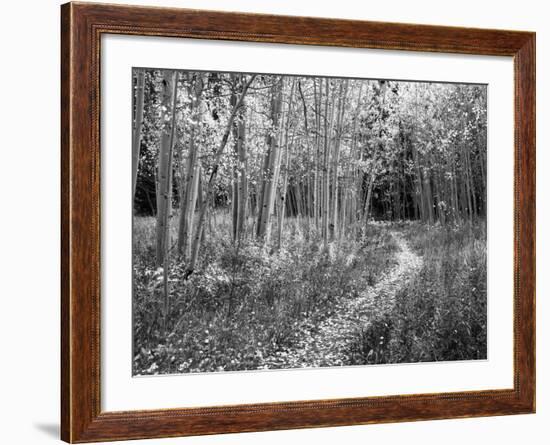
325	344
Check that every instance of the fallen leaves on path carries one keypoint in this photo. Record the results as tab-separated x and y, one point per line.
325	344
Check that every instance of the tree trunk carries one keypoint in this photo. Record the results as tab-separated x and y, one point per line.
419	188
336	156
138	123
243	183
310	196
268	198
211	182
282	206
165	193
326	164
240	169
165	167
316	188
368	199
188	204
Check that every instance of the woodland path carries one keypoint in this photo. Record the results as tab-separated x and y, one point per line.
325	344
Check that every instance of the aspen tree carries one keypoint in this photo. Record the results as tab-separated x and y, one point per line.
342	95
188	204
138	124
272	155
328	127
165	165
240	170
207	196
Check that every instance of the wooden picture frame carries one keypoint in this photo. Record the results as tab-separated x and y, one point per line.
82	25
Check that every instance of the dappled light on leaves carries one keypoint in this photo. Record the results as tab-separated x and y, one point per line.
291	222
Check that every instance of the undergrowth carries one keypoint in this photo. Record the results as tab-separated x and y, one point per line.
245	301
441	313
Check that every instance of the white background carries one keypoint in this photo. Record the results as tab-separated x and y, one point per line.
120	392
29	239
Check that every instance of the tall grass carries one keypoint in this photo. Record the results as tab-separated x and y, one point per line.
440	314
246	301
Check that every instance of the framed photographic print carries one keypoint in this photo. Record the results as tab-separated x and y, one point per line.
275	222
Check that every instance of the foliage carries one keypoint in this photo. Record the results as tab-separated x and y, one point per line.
287	210
441	314
246	304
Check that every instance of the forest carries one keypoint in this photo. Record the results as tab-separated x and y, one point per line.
285	221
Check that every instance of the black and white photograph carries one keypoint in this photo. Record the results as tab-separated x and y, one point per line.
299	221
